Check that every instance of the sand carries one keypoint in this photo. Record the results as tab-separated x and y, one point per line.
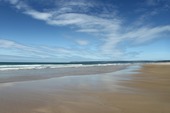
145	92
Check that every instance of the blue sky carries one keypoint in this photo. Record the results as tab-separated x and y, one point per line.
84	30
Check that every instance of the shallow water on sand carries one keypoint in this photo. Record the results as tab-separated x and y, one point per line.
61	93
105	81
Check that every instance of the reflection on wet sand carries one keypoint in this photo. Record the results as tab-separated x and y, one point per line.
113	92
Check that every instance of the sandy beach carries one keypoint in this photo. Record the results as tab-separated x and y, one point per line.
112	89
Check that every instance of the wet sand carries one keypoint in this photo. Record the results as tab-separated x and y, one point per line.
47	73
113	92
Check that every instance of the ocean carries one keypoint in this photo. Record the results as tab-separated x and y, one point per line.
6	66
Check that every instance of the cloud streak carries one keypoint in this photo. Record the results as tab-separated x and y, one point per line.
16	50
110	30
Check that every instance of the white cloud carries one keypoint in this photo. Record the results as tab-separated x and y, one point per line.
11	48
137	36
10	44
82	42
6	43
38	15
15	48
13	1
67	14
111	28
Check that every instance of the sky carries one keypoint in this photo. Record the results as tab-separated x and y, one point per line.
84	30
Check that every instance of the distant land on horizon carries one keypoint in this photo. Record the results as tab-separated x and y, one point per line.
86	62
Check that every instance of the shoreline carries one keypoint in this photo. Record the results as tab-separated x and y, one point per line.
41	74
145	92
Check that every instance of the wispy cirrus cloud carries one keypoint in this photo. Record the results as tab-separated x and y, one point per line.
137	36
13	50
12	44
105	24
